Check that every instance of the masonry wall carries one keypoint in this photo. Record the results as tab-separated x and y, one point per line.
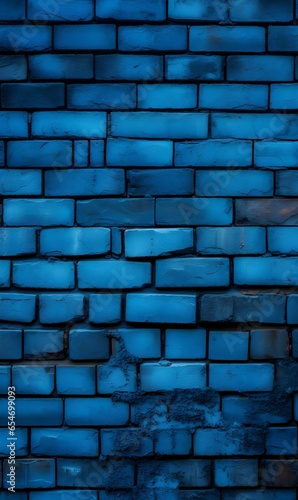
149	248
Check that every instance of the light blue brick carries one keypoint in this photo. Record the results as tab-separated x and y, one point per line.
105	308
32	473
265	271
21	443
282	38
75	380
112	439
255	11
116	212
81	37
193	211
30	379
159	377
157	242
102	96
253	377
143	153
160	125
227	39
111	379
13	68
233	96
61	66
281	441
69	124
117	244
88	345
61	10
60	308
64	442
75	241
13	124
192	272
43	274
286	183
233	441
128	67
38	212
169	182
39	154
131	10
5	381
273	154
113	274
228	346
292	316
213	153
284	96
160	308
185	344
17	307
260	68
11	344
43	344
13	10
236	472
167	95
147	37
15	38
191	67
4	273
197	10
85	182
231	240
20	182
140	342
95	412
238	183
32	95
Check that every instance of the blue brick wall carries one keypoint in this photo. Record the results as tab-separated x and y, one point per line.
148	248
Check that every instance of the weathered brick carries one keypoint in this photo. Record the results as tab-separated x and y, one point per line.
132	10
241	377
147	37
231	240
141	243
269	344
192	67
273	212
260	68
192	272
226	39
233	96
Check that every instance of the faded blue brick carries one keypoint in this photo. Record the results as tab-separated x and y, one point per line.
75	241
43	274
128	67
146	38
60	494
143	153
113	274
17	307
238	377
177	182
131	10
273	154
192	272
159	377
13	10
236	472
21	443
188	473
43	344
81	152
85	182
231	240
39	154
88	345
102	96
197	10
116	212
112	439
39	212
160	308
286	183
32	473
97	149
261	11
13	68
173	442
61	10
193	211
266	212
75	380
13	124
11	344
233	96
5	381
269	344
226	39
292	311
263	409
157	242
282	38
117	244
95	412
233	441
64	442
111	379
32	379
32	95
265	271
185	344
17	39
259	494
284	96
105	308
191	67
140	342
5	273
234	183
213	153
167	95
37	411
69	124
260	68
61	66
228	345
81	37
60	308
20	182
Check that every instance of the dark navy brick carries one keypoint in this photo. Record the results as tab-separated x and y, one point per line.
286	183
262	409
281	240
177	182
105	308
232	472
60	10
167	95
228	346
43	344
160	308
43	274
39	212
259	494
192	272
119	379
17	307
233	96
61	66
156	242
173	442
283	38
32	95
193	211
288	478
134	153
112	439
260	68
88	345
187	473
21	443
269	344
160	125
13	124
69	124
195	10
234	183
233	441
252	377
128	67
95	412
213	153
226	39
30	379
261	11
20	182
191	67
284	96
64	442
102	96
39	154
156	377
57	308
17	39
185	344
11	342
32	473
5	379
292	303
85	182
140	342
75	241
13	68
4	274
131	10
276	154
85	37
266	271
281	441
231	240
122	212
13	10
113	274
146	38
267	212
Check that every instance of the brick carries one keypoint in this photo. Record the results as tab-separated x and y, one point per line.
228	346
260	68
117	243
13	124
256	11
32	95
261	409
60	308
140	342
187	473
192	67
12	11
65	442
185	344
193	211
74	241
21	443
233	441
94	473
260	212
294	339
265	271
133	153
213	153
102	96
254	126
236	472
269	344
39	154
131	10
117	379
17	307
38	212
177	182
198	272
16	39
235	307
226	39
233	96
5	380
113	274
157	242
128	67
279	473
43	344
79	10
234	183
85	182
279	36
11	344
97	150
116	212
61	66
95	412
34	379
159	377
292	303
37	411
160	308
20	182
281	441
167	95
275	154
284	96
32	473
286	183
69	124
75	380
259	494
195	10
43	274
70	494
252	377
13	68
147	37
5	274
231	240
88	345
105	308
115	442
85	37
173	442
